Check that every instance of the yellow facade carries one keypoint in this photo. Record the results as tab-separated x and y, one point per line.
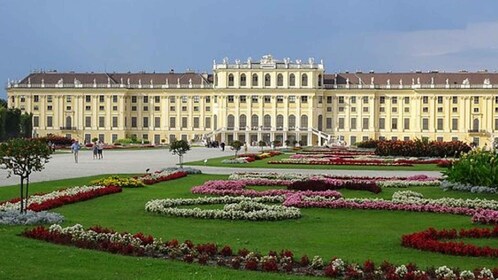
262	100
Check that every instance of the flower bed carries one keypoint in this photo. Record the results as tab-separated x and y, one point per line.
107	240
235	208
339	161
161	176
118	181
14	217
430	240
419	148
60	197
333	184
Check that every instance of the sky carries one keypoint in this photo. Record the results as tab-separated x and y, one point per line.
155	35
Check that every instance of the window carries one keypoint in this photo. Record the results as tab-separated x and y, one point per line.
329	109
267	98
49	121
114	98
425	99
184	99
365	123
476	99
292	99
280	80
172	122
353	109
352	99
382	123
304	99
145	99
425	109
341	109
496	99
36	121
243	122
68	108
280	99
329	99
208	108
208	99
172	108
230	80
439	109
101	121
353	140
341	123
365	109
382	100
133	121
88	98
145	122
101	98
172	99
328	123
184	122
254	99
382	109
320	99
394	123
454	124
394	100
207	123
114	121
101	108
496	124
341	99
157	99
407	100
476	110
454	138
156	108
35	108
254	122
184	108
49	108
243	99
353	123
394	109
230	99
196	108
243	80
407	109
454	99
406	124
133	99
36	98
439	139
267	80
425	124
133	108
196	122
49	98
304	80
88	121
68	98
254	80
292	80
365	99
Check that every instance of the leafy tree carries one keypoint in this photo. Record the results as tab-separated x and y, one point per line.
22	157
262	144
26	125
236	145
12	123
3	103
179	147
3	120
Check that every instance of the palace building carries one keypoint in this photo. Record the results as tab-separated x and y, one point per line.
268	99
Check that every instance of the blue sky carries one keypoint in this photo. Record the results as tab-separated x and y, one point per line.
154	35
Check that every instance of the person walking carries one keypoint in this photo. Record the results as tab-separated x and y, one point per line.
100	149
95	150
75	148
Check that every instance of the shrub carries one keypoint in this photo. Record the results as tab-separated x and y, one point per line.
368	144
477	168
57	140
421	148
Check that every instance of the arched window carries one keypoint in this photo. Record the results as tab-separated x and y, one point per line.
280	122
243	80
230	80
320	80
304	80
267	122
254	80
254	122
267	80
230	122
304	122
292	80
215	122
280	80
68	122
242	122
292	122
320	122
475	125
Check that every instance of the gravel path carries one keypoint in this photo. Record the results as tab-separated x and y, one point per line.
62	165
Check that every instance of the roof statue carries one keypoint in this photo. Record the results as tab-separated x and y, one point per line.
388	82
372	80
418	80
487	81
466	81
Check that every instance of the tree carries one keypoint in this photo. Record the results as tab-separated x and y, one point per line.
3	103
236	145
23	156
179	147
262	144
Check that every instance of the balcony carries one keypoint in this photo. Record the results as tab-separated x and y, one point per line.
68	128
477	132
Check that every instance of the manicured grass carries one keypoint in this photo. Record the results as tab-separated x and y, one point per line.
217	162
354	235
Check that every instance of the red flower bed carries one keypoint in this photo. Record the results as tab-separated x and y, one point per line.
323	185
419	148
430	240
68	199
172	176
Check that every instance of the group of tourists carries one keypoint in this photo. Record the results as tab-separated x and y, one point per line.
97	149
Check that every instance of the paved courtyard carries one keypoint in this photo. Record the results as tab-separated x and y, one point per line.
62	165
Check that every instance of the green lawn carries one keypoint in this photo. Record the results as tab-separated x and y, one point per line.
354	235
264	164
